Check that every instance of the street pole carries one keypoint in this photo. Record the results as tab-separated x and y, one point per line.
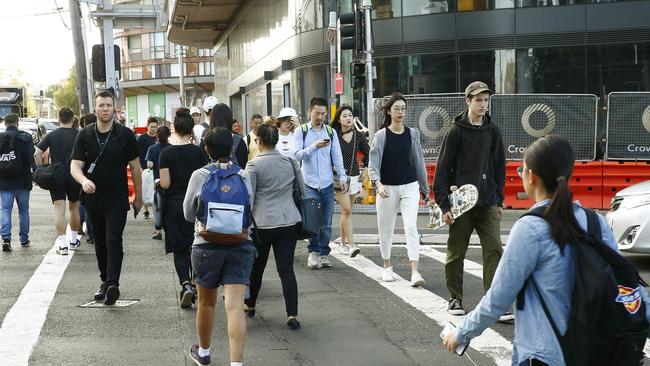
80	57
331	38
181	75
370	117
89	81
109	50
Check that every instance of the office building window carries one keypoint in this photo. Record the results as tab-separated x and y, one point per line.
624	67
286	95
191	69
135	47
421	7
135	73
495	68
206	68
551	70
157	45
384	9
175	70
471	5
534	3
388	76
426	74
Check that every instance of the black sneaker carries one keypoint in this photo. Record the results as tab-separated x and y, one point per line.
157	236
25	244
146	215
101	292
112	294
6	245
90	240
456	307
186	296
293	323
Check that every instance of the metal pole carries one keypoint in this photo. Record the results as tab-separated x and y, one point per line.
372	126
181	76
89	81
109	53
331	37
80	57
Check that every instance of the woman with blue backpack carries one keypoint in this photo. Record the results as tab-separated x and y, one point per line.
544	268
217	201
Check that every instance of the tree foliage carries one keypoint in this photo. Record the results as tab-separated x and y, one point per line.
65	93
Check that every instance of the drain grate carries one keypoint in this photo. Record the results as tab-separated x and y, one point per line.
118	304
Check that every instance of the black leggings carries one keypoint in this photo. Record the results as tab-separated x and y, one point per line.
183	264
283	241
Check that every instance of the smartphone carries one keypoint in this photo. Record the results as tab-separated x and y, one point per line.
460	350
326	140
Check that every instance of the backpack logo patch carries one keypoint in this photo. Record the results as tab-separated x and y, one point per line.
630	298
225	188
8	157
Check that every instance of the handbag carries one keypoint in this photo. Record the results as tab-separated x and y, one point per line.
310	209
49	177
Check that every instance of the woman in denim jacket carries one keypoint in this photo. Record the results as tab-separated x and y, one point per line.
537	247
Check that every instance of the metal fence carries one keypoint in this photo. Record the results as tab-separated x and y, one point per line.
522	118
628	126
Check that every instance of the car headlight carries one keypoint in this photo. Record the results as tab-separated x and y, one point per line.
635	201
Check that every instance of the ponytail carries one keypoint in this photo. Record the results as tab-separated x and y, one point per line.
559	214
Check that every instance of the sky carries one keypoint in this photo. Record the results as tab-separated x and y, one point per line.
38	46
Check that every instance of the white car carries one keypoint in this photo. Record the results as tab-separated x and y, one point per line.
629	218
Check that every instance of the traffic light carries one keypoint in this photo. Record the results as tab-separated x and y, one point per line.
99	63
352	31
358	71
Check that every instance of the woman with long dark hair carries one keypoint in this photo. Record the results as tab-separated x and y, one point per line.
153	157
273	177
221	116
541	249
351	142
177	163
396	168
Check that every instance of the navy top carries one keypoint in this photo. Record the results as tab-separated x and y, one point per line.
144	143
153	154
25	144
396	167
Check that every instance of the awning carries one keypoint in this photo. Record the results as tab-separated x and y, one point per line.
135	87
200	23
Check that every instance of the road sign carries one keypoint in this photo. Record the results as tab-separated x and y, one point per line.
338	83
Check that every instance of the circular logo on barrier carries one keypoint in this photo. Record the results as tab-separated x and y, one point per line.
446	120
646	119
550	119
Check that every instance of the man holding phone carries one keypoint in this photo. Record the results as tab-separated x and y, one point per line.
317	146
100	156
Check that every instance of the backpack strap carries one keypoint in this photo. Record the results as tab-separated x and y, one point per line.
538	212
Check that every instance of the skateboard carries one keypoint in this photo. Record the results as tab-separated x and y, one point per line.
462	200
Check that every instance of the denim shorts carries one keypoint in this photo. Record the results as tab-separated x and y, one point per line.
221	265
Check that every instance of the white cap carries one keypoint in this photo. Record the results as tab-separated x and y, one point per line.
209	103
195	110
287	112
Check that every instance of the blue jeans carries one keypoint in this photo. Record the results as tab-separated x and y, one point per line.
321	243
83	215
7	201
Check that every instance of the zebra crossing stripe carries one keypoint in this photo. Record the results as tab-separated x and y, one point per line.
22	325
490	343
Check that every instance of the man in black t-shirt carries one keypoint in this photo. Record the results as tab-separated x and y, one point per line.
145	141
60	143
99	159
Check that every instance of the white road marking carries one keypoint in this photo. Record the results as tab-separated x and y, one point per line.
424	239
490	343
22	325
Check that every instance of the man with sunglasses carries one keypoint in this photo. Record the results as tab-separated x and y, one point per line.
472	153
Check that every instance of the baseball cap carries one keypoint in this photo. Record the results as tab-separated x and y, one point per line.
209	103
195	110
477	87
287	112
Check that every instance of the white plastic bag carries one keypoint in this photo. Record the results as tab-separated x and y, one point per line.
148	188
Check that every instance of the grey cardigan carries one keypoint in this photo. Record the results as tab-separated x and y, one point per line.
272	181
416	157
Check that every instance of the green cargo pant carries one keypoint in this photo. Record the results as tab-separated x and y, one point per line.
487	224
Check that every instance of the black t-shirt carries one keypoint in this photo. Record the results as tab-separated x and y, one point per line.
109	172
396	167
144	142
60	142
182	161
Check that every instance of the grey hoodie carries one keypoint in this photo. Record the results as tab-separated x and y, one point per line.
416	157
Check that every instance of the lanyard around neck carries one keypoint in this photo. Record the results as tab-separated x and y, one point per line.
102	146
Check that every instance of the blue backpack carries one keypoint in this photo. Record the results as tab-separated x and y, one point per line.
224	207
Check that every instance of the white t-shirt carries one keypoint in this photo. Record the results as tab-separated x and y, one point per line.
285	145
197	130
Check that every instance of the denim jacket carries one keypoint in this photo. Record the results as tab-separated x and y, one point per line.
531	251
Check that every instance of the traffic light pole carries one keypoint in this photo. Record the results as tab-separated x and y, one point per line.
372	125
80	57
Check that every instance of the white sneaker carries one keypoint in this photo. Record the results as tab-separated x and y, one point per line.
62	251
75	245
417	280
354	251
61	245
387	274
324	261
507	317
345	249
313	260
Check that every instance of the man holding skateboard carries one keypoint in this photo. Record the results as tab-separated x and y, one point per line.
472	153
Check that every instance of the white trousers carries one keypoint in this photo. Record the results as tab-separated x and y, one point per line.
406	199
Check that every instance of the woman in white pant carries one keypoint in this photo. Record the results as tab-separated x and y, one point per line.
397	169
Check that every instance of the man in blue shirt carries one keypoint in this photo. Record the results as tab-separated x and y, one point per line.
317	146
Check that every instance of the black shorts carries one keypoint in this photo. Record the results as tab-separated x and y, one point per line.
71	189
222	265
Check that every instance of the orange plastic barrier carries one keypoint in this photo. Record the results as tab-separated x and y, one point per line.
131	186
140	130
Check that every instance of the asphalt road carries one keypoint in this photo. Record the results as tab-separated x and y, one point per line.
348	317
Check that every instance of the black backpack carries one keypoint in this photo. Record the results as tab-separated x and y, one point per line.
606	324
12	159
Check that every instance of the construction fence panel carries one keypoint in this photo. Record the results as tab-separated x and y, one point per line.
628	126
523	118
